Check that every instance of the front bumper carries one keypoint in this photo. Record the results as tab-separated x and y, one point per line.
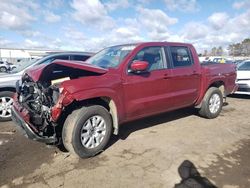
27	131
244	87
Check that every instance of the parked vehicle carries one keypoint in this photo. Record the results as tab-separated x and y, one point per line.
11	66
4	67
238	61
8	81
219	60
82	104
243	78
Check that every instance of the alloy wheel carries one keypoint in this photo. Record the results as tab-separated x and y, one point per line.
214	103
5	106
93	132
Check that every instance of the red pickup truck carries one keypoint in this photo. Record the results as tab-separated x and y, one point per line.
80	104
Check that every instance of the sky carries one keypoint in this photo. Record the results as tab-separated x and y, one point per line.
90	25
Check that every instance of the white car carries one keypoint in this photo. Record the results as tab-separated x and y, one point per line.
243	78
4	67
11	66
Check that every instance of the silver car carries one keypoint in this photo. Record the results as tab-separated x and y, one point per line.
8	80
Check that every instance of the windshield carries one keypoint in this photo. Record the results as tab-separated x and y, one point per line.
23	65
244	65
111	57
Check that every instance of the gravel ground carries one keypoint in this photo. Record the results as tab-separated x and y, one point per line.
147	153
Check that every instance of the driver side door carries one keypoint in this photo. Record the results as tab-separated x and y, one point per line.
148	93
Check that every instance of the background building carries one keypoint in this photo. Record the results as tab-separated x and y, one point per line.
15	55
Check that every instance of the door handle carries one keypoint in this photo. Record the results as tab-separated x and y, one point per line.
166	76
195	73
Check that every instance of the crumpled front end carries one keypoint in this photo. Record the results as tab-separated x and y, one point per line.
32	109
40	101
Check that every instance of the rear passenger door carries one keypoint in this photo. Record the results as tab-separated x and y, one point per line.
184	80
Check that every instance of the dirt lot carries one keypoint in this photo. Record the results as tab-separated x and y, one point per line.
147	153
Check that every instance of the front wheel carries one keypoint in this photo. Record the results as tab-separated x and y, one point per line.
87	131
212	103
6	101
3	69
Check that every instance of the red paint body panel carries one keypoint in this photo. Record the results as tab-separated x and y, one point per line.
137	95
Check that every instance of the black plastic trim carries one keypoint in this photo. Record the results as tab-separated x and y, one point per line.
27	131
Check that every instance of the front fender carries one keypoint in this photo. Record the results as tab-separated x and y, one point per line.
102	92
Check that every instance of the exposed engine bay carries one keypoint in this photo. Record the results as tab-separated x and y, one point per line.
39	97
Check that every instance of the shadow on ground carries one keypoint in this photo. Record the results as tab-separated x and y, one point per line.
191	178
131	127
233	168
237	96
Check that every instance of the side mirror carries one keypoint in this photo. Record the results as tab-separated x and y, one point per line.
139	66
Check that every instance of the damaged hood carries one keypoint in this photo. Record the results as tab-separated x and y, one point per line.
39	71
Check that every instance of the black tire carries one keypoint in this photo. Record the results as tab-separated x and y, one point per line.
3	69
8	94
71	133
205	111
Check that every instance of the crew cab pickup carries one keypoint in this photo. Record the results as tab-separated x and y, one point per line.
80	104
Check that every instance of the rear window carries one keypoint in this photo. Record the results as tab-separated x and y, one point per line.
244	66
180	56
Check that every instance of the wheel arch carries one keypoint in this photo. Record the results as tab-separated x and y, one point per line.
218	84
211	109
106	102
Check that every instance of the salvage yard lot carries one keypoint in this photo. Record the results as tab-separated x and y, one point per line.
147	153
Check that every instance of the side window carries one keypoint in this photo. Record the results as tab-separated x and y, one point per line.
62	57
154	57
180	56
80	57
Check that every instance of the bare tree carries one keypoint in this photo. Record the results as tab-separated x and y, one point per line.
240	49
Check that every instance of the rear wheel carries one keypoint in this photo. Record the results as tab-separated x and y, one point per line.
6	101
212	103
86	131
